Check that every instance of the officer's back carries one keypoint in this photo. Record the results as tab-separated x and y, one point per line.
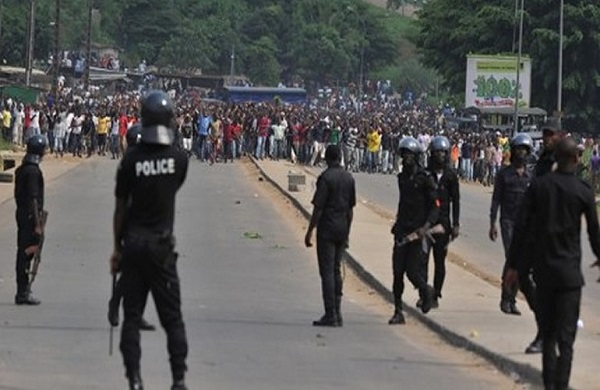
153	173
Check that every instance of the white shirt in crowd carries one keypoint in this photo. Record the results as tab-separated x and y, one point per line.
35	119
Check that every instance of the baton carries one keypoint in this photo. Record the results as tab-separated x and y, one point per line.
111	328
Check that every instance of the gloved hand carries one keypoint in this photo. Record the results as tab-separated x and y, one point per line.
596	264
493	232
455	232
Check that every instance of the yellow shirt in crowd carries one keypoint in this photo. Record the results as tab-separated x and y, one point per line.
373	141
6	117
103	124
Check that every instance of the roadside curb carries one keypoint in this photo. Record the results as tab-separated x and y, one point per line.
519	371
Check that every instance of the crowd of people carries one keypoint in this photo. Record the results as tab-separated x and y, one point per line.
368	132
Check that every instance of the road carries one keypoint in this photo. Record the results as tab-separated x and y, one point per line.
473	246
248	302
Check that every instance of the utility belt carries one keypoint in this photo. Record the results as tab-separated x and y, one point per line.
142	234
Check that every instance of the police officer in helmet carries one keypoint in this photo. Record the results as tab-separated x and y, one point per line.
29	196
418	210
148	178
133	136
510	186
448	193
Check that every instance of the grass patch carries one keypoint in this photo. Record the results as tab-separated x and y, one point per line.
5	145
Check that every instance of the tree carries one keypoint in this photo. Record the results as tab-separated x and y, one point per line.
450	30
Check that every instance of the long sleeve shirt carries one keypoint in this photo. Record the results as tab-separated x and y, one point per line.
449	196
509	190
418	204
551	217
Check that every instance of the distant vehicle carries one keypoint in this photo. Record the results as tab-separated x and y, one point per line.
502	119
261	94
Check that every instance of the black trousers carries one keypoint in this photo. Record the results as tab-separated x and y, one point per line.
329	255
440	251
150	265
506	231
25	230
559	312
408	259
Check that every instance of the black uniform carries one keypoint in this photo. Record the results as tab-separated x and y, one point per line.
418	206
552	212
29	187
448	195
509	191
335	197
148	179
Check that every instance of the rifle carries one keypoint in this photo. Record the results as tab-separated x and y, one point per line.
111	329
37	252
436	229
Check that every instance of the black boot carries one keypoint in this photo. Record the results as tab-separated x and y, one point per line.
397	318
427	297
26	299
135	382
179	385
328	319
536	346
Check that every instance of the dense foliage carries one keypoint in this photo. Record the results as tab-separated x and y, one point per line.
451	29
273	40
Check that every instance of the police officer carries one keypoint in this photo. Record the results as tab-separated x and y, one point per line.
148	178
520	263
418	210
509	189
552	211
448	193
333	202
29	196
133	136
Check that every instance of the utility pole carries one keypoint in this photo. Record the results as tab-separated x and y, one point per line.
1	15
56	61
30	41
517	88
88	47
560	61
232	69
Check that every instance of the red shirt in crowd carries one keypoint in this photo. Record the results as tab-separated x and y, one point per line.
123	123
263	126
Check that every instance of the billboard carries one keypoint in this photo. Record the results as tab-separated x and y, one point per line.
492	81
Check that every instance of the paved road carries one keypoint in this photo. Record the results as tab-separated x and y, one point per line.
247	303
473	245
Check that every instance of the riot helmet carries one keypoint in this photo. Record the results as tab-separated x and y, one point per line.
36	144
36	147
410	150
134	134
439	149
439	143
409	144
522	140
157	114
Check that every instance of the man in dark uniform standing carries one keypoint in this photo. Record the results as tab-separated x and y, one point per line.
333	202
29	195
448	193
418	210
510	185
148	178
134	134
552	212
